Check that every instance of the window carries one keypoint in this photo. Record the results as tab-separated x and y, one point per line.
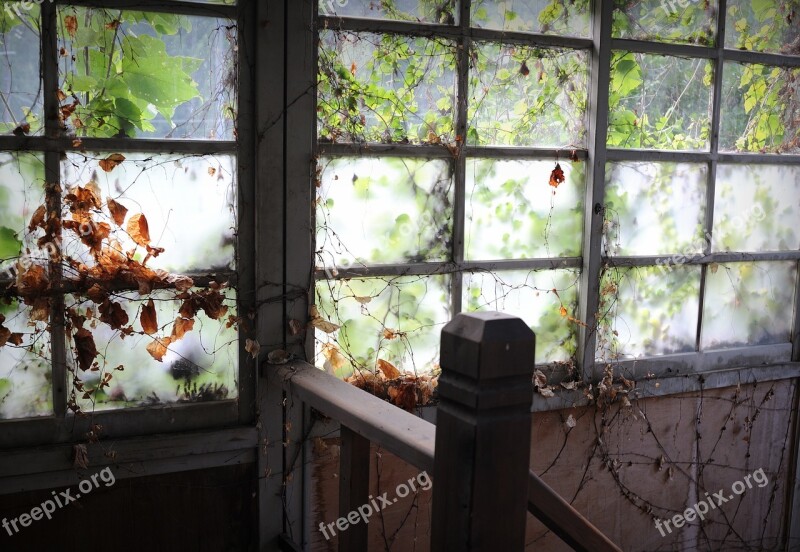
119	208
624	177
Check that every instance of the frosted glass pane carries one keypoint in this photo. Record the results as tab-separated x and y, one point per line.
748	304
648	311
536	16
385	88
25	381
537	298
757	208
760	110
398	320
655	208
189	204
384	210
676	21
21	194
526	96
20	83
659	102
763	25
513	212
444	12
202	366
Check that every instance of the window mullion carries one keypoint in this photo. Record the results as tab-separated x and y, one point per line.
52	160
595	189
716	108
460	172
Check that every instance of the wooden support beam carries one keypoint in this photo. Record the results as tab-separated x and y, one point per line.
353	489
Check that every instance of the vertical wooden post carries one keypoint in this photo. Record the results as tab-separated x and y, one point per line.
483	433
353	489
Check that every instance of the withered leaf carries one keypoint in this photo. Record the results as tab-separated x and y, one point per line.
181	327
404	395
111	162
97	294
148	318
37	220
334	356
295	327
320	323
139	230
158	347
113	25
85	349
113	314
118	211
390	334
15	339
389	370
540	379
22	130
5	335
557	176
523	70
80	460
253	347
71	24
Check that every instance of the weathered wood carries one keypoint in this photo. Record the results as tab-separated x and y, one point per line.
561	518
396	430
483	434
353	489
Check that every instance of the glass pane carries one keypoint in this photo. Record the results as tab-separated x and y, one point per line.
200	366
398	320
655	208
25	380
757	208
527	96
513	212
648	311
384	210
546	300
21	194
748	304
444	12
536	16
147	75
189	204
385	88
677	21
763	25
760	109
20	84
659	102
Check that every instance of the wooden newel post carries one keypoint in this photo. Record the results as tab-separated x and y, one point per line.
483	434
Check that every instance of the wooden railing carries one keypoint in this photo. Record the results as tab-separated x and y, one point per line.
479	457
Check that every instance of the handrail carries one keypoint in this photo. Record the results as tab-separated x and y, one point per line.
412	439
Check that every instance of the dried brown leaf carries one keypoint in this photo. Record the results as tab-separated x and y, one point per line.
158	348
389	370
139	230
118	211
85	349
148	318
71	24
111	162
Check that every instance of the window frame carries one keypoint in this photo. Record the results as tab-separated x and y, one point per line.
62	425
723	366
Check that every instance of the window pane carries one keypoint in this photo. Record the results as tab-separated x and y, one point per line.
648	311
444	12
201	366
655	208
385	88
21	193
760	109
546	300
514	213
659	102
398	320
757	208
189	204
678	21
763	25
536	16
384	210
526	96
748	304
147	75
20	84
25	381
